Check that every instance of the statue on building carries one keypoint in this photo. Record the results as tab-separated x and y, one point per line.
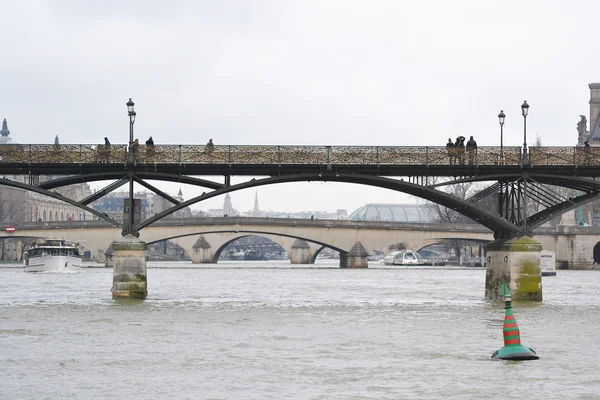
582	134
4	131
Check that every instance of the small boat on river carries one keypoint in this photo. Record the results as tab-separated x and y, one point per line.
403	257
56	255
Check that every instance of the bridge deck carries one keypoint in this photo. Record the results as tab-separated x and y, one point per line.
267	160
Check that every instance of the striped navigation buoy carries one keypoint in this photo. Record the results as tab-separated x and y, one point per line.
512	350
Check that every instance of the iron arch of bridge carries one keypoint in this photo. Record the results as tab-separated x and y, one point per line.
57	196
493	222
44	188
490	220
149	175
589	188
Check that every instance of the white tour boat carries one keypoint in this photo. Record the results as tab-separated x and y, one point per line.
52	255
403	257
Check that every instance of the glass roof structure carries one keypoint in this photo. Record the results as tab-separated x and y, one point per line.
394	212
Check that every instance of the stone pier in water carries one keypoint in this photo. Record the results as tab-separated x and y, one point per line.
129	271
516	262
300	253
355	258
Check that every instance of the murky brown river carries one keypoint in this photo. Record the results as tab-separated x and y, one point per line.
272	331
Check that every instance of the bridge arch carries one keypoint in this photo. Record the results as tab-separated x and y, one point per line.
492	222
316	254
217	253
48	216
429	192
285	240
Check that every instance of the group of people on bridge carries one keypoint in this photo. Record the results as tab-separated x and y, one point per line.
105	150
149	146
456	150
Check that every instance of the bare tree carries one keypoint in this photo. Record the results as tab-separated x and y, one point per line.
463	191
441	214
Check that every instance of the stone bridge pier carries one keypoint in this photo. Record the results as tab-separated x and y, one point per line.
516	262
301	252
129	271
355	258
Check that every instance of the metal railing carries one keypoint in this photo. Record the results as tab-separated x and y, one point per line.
297	155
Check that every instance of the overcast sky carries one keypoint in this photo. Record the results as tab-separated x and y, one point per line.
298	72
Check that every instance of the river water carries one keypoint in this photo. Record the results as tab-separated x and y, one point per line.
267	330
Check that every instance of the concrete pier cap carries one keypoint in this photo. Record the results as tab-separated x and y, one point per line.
517	262
201	253
129	271
355	258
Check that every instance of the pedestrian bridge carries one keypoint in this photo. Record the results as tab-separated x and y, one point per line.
204	238
515	176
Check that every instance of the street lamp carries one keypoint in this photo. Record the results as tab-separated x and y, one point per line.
524	111
501	117
131	114
128	227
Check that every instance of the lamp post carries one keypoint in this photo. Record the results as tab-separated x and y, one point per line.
128	228
131	114
524	111
501	117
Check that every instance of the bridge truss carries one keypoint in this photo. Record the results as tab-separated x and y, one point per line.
522	189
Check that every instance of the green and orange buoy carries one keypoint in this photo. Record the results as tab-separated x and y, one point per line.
512	350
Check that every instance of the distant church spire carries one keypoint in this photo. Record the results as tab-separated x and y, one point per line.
4	131
180	194
256	212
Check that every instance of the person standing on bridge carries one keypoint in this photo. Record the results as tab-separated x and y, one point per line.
588	149
150	148
459	147
104	152
209	147
135	146
472	150
450	149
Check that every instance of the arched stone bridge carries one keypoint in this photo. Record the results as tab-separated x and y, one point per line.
204	238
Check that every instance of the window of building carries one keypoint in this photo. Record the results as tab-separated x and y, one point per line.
596	218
